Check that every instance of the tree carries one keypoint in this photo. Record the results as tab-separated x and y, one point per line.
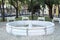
34	5
30	3
50	3
3	15
0	4
14	3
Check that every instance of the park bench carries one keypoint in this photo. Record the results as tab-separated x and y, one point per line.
56	19
41	18
10	19
25	18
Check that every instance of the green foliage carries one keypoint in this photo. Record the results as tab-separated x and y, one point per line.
1	20
20	18
34	17
56	1
0	2
48	19
30	18
28	2
51	2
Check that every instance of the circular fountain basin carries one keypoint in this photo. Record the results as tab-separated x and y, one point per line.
30	27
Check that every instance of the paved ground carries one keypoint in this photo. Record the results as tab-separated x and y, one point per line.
5	36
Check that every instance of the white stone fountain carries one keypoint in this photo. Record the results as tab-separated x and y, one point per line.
30	28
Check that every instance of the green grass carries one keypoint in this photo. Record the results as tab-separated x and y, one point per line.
2	20
20	18
34	17
48	19
30	18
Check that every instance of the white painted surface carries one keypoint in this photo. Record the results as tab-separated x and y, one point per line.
25	18
56	19
41	28
41	18
10	19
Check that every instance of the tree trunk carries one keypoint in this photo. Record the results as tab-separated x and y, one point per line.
17	10
0	8
50	12
43	11
3	16
32	9
58	10
32	14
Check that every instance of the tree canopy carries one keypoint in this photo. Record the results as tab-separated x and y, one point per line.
32	3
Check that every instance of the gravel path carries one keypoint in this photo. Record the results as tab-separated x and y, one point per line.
5	36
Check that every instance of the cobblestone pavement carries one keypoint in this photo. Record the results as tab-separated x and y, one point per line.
5	36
